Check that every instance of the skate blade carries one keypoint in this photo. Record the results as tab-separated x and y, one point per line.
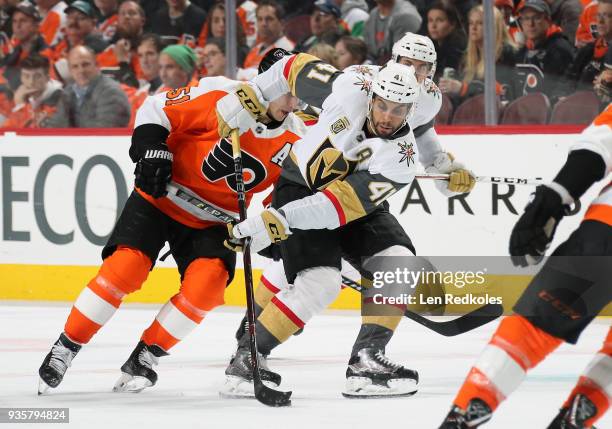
42	387
362	388
239	388
131	384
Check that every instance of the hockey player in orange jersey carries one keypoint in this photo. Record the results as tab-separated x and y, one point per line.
179	158
563	298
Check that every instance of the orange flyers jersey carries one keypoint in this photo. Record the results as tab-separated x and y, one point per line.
53	24
203	162
587	27
597	137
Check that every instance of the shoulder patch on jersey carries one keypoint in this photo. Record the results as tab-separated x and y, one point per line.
365	84
363	69
340	125
407	151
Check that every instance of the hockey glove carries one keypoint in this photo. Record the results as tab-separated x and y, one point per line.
232	243
535	229
267	228
231	108
461	180
154	170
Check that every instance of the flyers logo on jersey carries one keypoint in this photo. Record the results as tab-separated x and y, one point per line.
219	164
326	168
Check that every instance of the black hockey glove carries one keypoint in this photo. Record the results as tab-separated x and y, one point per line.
154	170
535	229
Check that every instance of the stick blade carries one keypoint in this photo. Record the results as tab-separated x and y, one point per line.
475	319
271	397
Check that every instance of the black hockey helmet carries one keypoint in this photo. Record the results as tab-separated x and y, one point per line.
270	58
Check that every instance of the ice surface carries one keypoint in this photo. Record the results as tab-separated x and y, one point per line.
312	365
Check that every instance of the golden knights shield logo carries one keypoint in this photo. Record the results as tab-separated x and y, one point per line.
326	166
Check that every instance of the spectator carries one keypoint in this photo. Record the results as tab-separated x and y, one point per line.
107	22
53	20
37	97
388	22
246	13
120	59
177	64
351	51
148	51
589	60
463	9
270	30
566	14
324	25
6	11
355	14
547	52
80	30
179	22
587	25
447	34
472	70
93	100
26	40
325	52
507	9
603	83
215	27
213	57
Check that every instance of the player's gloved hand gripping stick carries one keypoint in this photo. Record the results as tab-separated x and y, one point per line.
263	393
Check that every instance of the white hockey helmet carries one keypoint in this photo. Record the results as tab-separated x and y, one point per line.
417	47
397	83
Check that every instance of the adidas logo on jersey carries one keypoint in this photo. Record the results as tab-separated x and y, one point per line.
158	154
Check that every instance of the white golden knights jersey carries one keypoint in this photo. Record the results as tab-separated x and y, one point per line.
597	138
357	171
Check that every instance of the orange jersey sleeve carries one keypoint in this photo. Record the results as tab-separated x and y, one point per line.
203	161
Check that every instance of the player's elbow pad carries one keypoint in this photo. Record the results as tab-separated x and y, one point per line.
582	169
144	136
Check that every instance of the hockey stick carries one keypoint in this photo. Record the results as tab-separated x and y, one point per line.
487	179
263	393
467	322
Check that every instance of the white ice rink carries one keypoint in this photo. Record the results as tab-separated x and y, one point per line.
312	365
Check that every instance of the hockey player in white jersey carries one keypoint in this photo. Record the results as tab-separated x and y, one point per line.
573	286
368	360
344	121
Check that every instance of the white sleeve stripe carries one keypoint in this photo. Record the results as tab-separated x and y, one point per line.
94	307
499	367
600	371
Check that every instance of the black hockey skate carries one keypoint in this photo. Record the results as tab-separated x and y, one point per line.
239	376
137	371
478	412
581	409
56	363
370	374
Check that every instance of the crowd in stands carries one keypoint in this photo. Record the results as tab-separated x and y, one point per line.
91	63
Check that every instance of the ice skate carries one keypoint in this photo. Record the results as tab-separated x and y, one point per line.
478	412
574	417
371	374
239	376
137	371
56	363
